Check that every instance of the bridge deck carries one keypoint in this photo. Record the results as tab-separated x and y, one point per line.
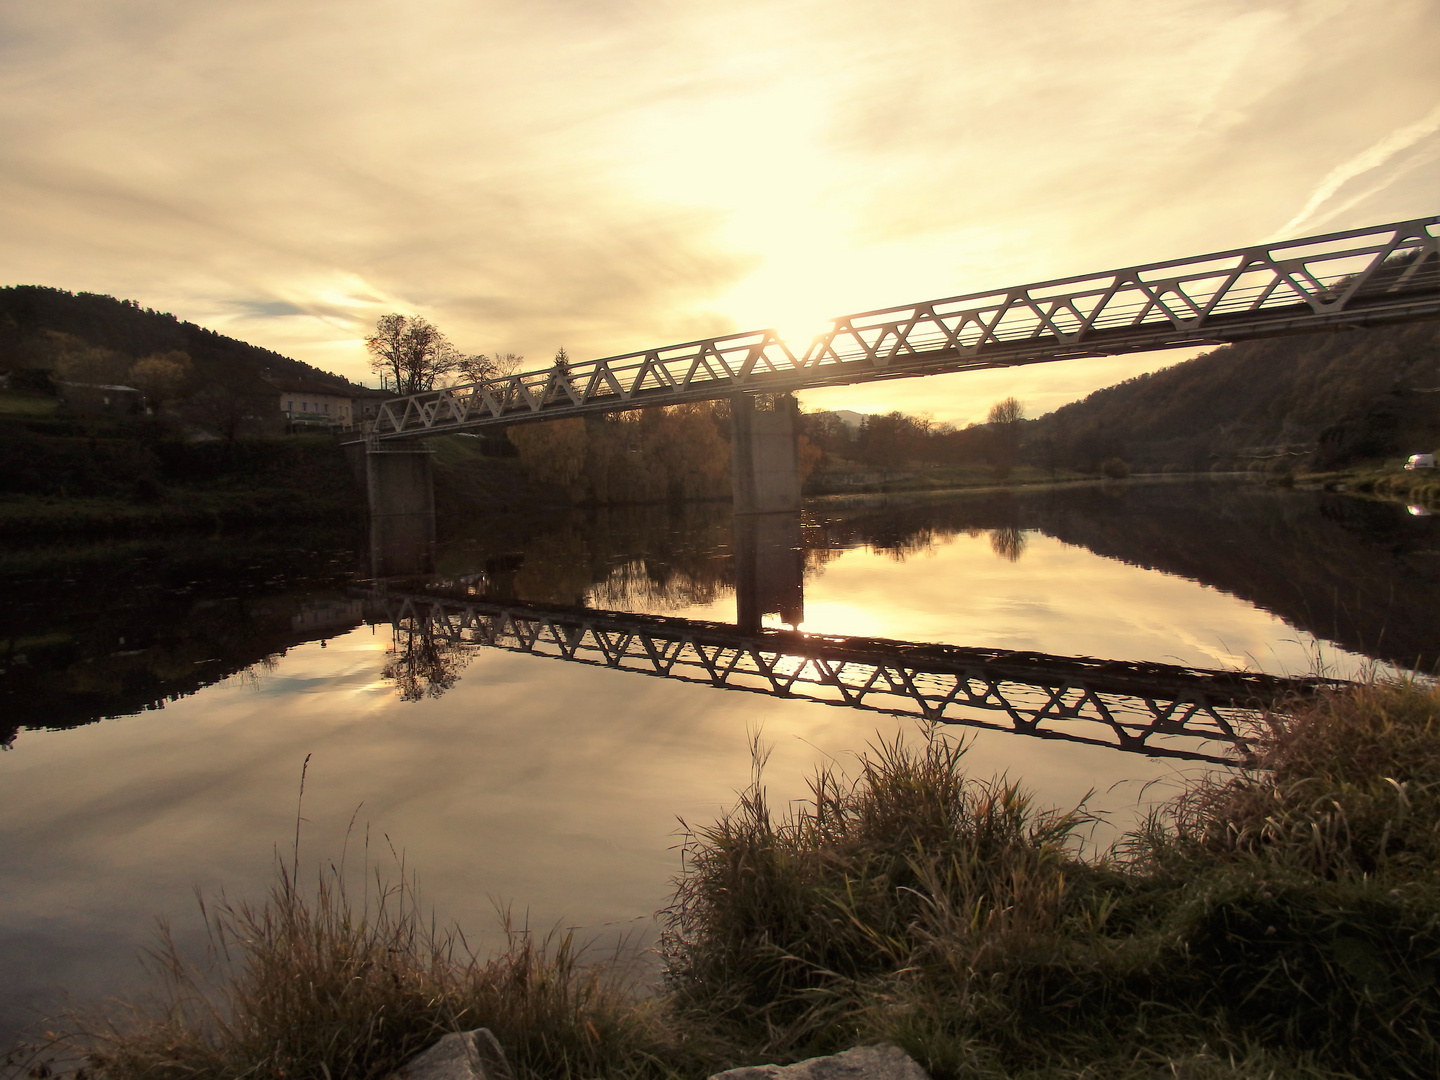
1344	280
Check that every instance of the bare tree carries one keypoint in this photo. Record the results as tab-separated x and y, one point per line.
1009	411
411	353
1004	419
423	663
478	368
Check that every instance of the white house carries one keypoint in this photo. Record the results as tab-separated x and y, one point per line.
308	402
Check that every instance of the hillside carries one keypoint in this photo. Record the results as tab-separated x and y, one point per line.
1329	398
115	419
32	315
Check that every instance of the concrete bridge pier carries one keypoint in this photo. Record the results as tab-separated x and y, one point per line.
764	454
765	482
400	492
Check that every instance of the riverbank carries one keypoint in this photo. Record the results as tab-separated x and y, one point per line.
1419	487
1390	483
76	477
921	496
88	478
72	477
1280	922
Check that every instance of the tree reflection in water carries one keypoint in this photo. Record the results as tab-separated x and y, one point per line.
1008	542
421	662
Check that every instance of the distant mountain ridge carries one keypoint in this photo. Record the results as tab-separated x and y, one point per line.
1331	397
28	311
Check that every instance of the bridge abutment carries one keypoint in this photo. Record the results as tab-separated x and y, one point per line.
764	454
400	492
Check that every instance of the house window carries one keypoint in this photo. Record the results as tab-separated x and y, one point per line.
327	408
304	406
290	406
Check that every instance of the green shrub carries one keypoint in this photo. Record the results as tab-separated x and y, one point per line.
1115	468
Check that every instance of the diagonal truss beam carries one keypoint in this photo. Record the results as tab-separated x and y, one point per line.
1159	710
1342	280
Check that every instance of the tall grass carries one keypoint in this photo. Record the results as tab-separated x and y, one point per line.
310	988
1285	918
1283	921
775	921
1346	787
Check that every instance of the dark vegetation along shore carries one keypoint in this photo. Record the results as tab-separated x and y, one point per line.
1281	921
202	444
120	420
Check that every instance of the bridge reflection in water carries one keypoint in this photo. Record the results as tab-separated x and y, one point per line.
1158	710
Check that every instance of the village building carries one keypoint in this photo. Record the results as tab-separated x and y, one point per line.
365	402
306	401
100	397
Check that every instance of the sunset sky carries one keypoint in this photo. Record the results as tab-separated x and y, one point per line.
610	175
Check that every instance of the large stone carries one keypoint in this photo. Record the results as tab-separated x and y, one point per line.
882	1062
461	1055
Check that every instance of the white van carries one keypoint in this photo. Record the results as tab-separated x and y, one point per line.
1420	461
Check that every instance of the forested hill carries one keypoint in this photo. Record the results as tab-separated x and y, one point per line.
32	315
1331	397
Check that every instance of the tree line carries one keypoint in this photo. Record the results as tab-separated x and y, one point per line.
897	440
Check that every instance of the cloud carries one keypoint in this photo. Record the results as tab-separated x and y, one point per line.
615	176
1374	156
269	309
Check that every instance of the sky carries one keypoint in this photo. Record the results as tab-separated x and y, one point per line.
614	175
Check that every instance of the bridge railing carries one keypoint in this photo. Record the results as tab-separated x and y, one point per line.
1359	277
1158	710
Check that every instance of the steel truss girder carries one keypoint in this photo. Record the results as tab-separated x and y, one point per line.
1342	280
1158	710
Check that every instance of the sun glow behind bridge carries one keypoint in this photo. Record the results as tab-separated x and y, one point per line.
1301	286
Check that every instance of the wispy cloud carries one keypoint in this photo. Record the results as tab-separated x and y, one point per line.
1374	156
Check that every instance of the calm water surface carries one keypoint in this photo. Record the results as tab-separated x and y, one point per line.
555	788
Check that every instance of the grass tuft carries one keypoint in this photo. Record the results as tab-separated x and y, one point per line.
908	863
309	988
1346	786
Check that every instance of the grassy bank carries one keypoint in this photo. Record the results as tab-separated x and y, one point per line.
1421	486
1278	922
97	477
65	475
1385	480
841	481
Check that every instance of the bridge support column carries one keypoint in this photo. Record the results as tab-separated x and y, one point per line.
769	570
400	491
764	455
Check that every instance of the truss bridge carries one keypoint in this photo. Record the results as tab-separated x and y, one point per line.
1335	281
1158	710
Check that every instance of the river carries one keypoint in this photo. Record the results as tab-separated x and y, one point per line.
160	697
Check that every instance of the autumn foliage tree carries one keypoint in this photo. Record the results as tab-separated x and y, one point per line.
634	456
165	377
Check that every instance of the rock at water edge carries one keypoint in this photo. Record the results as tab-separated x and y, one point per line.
461	1055
884	1062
